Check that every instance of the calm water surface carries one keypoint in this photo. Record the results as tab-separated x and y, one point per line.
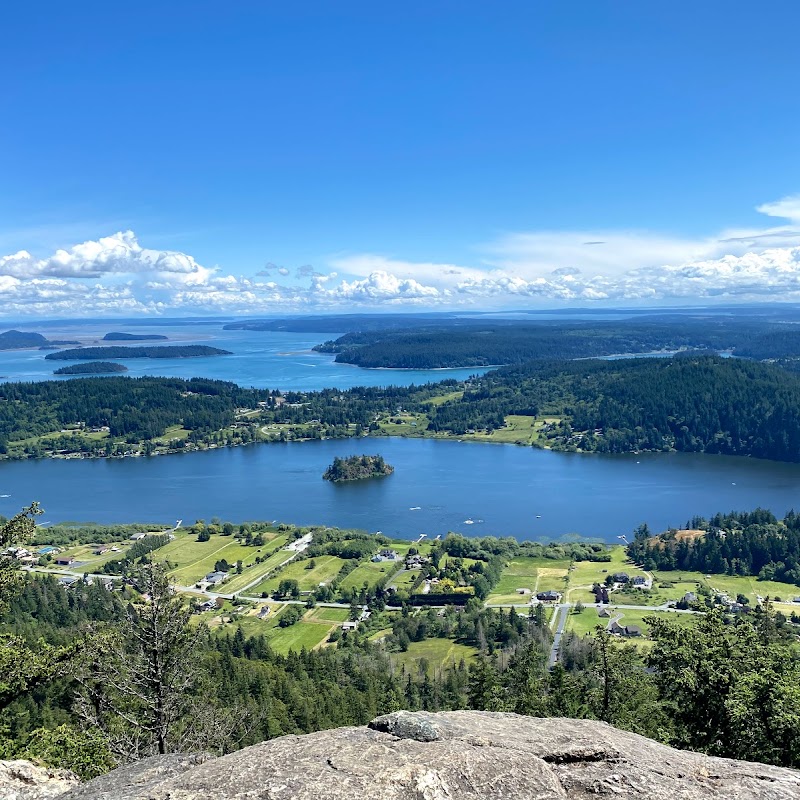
265	359
437	487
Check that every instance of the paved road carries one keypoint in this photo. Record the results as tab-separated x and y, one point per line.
559	621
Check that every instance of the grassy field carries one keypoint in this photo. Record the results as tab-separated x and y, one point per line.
588	620
731	585
404	579
296	637
445	398
173	432
432	654
370	573
326	569
536	574
310	632
276	555
325	614
196	559
87	561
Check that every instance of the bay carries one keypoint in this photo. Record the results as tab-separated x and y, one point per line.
438	486
263	359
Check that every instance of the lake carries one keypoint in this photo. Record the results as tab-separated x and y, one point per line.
438	486
264	359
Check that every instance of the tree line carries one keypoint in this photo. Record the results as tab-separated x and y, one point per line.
754	543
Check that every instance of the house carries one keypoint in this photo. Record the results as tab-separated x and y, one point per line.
101	550
549	596
796	599
603	612
68	580
639	580
690	597
615	628
620	577
137	536
215	578
108	583
65	561
349	626
48	550
264	612
624	630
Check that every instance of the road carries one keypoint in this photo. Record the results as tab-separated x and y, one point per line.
558	623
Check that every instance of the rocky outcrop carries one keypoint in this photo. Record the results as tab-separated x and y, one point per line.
469	755
21	780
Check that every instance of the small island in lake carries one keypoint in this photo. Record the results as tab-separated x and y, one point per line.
117	336
91	368
357	468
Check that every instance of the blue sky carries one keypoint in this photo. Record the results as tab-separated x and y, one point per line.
416	154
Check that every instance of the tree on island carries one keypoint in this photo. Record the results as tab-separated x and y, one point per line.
357	468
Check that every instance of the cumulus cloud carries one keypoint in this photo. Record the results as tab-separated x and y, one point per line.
117	254
117	275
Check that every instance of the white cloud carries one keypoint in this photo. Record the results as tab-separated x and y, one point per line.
785	208
117	254
117	275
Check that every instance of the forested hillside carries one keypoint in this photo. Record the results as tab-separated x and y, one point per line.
688	403
473	343
141	408
691	404
754	543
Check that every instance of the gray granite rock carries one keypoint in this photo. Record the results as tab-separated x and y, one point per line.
467	755
21	780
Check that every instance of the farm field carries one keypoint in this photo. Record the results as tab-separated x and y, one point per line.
404	579
253	572
301	635
731	585
311	631
325	570
326	614
85	558
431	655
370	572
527	573
587	620
196	559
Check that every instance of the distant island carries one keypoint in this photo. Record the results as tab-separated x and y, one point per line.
102	353
357	468
19	340
91	368
116	336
